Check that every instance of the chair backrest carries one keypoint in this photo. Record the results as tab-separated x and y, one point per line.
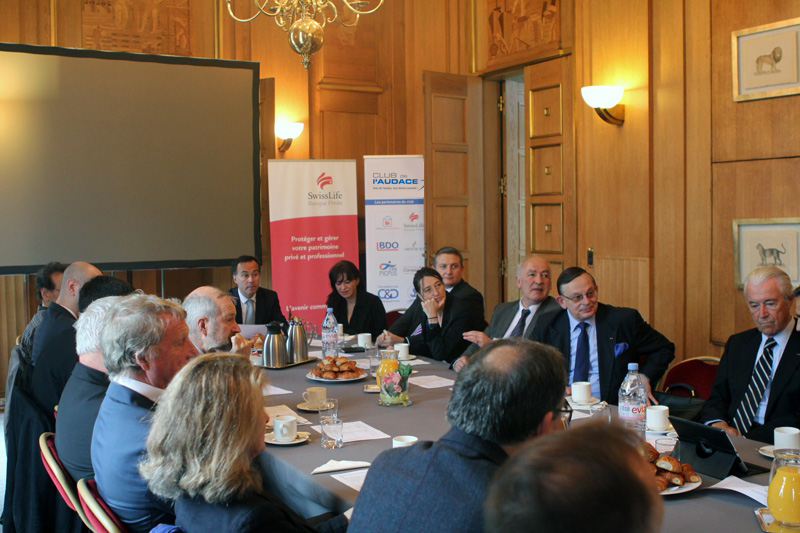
102	518
393	315
60	477
692	377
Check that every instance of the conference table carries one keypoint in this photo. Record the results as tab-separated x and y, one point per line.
289	468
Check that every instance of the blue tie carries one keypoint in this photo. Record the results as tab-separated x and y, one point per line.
519	329
581	372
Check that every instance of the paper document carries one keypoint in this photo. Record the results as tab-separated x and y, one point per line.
577	415
356	431
283	410
751	490
431	382
363	364
354	479
415	362
272	390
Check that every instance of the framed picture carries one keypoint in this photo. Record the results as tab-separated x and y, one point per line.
766	62
766	241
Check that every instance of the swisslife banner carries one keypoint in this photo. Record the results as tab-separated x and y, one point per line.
394	219
313	210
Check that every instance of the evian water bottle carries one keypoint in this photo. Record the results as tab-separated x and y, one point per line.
330	335
633	401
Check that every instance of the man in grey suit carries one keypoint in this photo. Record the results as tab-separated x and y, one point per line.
517	318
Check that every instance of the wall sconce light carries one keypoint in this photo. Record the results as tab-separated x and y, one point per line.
287	132
605	101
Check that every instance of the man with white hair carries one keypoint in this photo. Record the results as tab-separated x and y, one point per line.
145	343
211	316
757	387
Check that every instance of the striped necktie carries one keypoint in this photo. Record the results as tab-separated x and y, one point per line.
746	412
519	329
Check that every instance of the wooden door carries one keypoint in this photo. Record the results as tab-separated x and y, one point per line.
457	189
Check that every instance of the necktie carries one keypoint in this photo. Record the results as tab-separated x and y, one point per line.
519	329
581	372
248	312
746	412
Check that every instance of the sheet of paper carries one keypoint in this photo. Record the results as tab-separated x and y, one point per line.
361	363
751	490
415	362
577	415
431	382
357	431
353	479
272	390
283	410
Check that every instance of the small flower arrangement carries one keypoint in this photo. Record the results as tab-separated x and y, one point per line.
394	387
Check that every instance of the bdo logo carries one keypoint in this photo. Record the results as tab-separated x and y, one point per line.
388	294
388	246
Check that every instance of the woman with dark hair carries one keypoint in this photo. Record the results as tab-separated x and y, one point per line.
353	306
207	429
437	328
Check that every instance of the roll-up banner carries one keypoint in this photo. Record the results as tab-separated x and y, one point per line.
394	219
313	211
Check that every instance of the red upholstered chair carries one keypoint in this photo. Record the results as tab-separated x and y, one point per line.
692	377
393	315
62	480
102	518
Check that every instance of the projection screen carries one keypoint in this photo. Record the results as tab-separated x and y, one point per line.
128	161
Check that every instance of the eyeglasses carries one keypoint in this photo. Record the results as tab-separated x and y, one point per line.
566	414
590	294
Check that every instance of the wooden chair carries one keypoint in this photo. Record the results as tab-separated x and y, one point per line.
63	481
692	377
393	315
102	518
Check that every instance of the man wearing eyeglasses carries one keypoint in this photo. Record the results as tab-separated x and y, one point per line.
598	340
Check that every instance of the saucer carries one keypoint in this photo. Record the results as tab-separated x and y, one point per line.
303	406
767	451
659	431
586	405
269	438
410	357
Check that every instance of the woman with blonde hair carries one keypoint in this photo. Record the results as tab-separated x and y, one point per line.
207	429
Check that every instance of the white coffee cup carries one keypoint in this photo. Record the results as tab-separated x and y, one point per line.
581	392
658	417
787	437
313	395
403	440
285	428
402	350
365	340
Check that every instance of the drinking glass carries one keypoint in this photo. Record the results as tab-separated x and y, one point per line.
600	411
332	433
374	360
668	446
328	409
783	495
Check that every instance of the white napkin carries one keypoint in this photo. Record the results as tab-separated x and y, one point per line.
751	490
334	466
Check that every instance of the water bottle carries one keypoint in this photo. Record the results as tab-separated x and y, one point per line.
330	335
633	401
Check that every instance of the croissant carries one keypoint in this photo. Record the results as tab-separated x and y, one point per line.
649	452
347	367
672	477
670	464
689	475
329	375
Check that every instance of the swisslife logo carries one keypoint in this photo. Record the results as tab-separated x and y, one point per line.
413	217
329	197
413	222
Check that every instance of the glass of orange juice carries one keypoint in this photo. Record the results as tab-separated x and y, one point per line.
783	495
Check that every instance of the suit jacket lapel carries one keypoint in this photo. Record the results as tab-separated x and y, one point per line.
560	335
547	306
787	368
606	340
741	379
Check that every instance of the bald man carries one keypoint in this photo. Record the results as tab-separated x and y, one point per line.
211	316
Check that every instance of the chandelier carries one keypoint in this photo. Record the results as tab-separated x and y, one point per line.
304	20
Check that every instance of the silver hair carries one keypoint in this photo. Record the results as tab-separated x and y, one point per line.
203	303
91	323
764	273
136	324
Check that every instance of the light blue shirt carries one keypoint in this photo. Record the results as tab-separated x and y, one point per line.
594	367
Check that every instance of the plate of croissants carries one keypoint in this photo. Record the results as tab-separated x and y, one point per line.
336	369
671	476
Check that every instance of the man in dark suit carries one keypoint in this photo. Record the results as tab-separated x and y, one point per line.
449	263
145	342
440	486
517	318
598	340
260	305
757	387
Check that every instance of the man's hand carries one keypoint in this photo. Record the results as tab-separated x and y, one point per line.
651	400
460	363
478	337
241	345
728	429
388	339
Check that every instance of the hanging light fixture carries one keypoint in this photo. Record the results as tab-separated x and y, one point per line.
304	20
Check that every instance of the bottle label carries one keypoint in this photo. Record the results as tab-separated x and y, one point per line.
632	412
330	336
